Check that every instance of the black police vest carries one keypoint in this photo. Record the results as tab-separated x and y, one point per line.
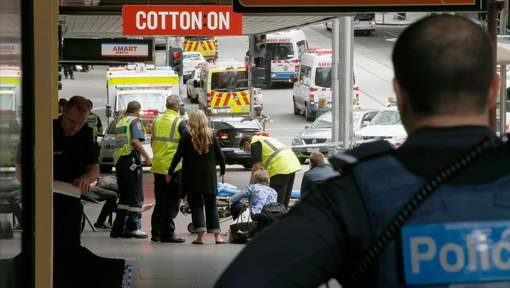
459	235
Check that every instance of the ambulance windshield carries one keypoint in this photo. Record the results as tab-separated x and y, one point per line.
280	51
149	101
7	101
229	81
323	77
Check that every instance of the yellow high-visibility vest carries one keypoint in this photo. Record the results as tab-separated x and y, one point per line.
276	157
123	138
93	121
165	140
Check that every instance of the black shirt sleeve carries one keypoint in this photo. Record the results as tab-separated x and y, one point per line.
183	127
312	234
256	152
220	158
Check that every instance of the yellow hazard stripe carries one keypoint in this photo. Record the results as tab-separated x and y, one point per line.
10	80
142	80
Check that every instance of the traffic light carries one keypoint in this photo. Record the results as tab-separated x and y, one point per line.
176	57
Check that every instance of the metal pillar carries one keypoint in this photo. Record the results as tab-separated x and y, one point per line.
494	7
335	82
342	80
502	100
167	52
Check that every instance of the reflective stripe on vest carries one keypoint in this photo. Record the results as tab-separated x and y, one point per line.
276	157
276	151
165	140
123	138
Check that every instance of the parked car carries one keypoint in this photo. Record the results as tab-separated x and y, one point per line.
386	125
229	130
320	132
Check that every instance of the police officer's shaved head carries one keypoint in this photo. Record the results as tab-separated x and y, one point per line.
133	107
173	102
75	114
445	65
79	102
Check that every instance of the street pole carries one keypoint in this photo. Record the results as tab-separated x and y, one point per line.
494	7
342	81
502	100
335	82
346	81
503	19
167	52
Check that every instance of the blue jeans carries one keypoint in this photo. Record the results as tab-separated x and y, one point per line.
211	223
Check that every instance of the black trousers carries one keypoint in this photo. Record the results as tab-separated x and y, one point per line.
283	183
67	214
130	182
98	194
211	223
168	199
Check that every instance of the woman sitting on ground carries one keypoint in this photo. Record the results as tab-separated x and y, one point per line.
258	194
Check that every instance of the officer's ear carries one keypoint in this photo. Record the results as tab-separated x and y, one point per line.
493	92
402	97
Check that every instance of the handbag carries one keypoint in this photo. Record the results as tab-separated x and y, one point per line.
242	228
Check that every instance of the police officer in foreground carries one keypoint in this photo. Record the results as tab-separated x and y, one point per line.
166	132
456	231
94	122
129	135
279	161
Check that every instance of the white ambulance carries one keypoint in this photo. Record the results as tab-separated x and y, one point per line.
312	89
283	49
146	84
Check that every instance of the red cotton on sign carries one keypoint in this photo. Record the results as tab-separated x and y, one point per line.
180	20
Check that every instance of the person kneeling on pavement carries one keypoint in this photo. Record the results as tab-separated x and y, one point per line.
259	195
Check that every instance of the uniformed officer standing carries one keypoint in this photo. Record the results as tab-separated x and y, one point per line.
94	122
166	133
129	135
455	230
279	161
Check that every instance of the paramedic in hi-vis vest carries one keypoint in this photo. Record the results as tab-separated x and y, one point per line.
94	122
129	137
166	133
279	161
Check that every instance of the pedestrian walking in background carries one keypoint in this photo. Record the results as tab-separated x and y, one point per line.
167	130
69	71
319	171
130	132
279	161
200	153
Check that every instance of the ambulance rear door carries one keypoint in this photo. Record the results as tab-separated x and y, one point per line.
228	92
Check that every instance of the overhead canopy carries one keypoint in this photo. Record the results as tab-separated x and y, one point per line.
110	26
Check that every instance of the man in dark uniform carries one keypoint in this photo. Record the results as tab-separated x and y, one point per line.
129	134
446	83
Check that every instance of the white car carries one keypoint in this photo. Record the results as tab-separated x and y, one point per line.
191	61
192	89
386	125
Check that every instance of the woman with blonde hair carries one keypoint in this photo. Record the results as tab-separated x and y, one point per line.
200	153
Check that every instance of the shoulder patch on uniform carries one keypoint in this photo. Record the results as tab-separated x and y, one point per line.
361	152
139	125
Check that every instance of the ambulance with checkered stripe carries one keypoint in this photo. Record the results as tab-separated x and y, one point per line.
283	50
10	101
224	89
312	89
206	45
